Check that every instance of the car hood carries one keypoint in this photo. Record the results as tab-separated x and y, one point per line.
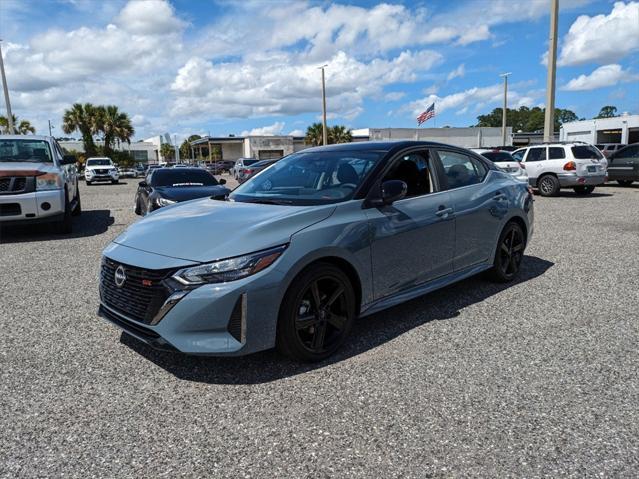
186	193
206	230
26	168
99	167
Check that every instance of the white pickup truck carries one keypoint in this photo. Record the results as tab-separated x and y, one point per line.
38	183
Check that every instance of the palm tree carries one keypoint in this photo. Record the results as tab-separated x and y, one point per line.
339	134
22	127
314	135
85	119
115	125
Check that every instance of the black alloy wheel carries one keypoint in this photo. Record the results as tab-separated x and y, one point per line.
317	313
509	254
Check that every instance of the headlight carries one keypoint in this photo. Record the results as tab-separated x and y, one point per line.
164	202
48	181
229	269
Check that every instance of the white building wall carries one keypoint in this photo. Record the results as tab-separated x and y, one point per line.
465	137
592	131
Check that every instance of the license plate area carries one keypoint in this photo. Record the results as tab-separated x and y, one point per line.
592	169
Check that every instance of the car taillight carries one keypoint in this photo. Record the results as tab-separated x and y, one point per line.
570	166
248	172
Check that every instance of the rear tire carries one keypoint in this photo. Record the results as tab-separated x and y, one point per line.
509	253
548	185
625	182
316	314
88	183
584	190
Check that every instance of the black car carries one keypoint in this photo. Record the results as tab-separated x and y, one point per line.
623	165
165	186
255	168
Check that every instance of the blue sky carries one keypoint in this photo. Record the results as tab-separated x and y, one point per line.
251	67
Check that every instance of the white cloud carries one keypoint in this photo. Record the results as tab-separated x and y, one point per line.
149	17
394	95
476	34
269	130
602	38
460	71
607	75
297	132
288	84
477	97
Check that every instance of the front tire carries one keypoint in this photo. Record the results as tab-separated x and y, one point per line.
548	185
65	225
77	211
584	190
625	182
316	314
510	252
88	183
115	182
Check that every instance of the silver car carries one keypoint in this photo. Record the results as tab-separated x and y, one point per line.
307	245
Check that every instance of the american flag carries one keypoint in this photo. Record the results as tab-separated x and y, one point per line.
429	113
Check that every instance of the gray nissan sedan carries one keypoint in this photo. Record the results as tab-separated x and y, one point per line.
303	248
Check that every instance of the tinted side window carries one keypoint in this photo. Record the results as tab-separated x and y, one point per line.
556	153
414	169
630	152
536	154
461	170
519	155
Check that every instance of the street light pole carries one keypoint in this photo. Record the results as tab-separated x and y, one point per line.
50	127
6	95
505	109
324	129
549	117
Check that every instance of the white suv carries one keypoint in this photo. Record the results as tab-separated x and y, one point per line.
100	169
553	166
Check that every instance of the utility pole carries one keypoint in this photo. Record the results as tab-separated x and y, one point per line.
50	127
505	109
6	95
549	118
177	150
324	129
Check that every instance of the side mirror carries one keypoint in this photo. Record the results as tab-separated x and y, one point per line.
68	160
222	181
392	191
142	184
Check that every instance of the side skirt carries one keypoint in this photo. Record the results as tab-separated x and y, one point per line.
422	289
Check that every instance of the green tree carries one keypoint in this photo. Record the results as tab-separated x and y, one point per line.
524	118
607	111
185	147
339	134
167	151
314	135
22	127
114	125
85	119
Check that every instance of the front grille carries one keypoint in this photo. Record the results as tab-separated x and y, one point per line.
141	295
15	184
10	209
235	326
102	172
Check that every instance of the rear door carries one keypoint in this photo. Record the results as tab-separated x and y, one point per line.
534	162
589	160
624	164
480	202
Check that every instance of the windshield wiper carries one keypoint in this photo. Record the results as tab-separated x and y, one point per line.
268	201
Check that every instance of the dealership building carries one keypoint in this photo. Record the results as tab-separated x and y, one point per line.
619	129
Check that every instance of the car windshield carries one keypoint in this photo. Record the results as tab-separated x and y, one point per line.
99	162
498	156
309	178
182	177
249	162
36	151
586	152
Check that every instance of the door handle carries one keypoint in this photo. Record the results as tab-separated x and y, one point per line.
443	212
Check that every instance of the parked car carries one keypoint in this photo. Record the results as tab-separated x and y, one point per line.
623	165
140	170
127	173
166	186
100	169
252	170
321	237
241	164
608	149
553	166
38	183
505	161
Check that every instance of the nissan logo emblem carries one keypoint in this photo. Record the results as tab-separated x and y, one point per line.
119	276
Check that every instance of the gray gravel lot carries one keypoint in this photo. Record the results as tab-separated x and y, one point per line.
537	378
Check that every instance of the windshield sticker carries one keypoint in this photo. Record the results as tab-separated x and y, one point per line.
188	184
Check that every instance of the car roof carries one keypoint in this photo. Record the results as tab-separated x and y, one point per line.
384	146
25	137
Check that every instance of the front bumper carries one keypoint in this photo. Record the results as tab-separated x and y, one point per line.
101	177
233	318
40	206
572	179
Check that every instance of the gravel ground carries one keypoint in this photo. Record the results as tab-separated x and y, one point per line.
537	378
